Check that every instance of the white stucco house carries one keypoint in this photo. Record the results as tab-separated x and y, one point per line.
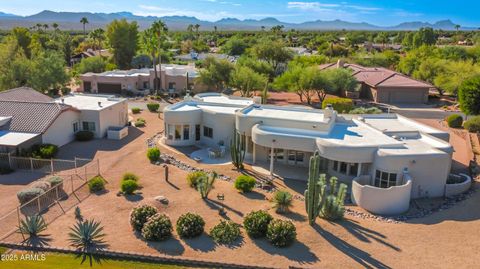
386	159
28	117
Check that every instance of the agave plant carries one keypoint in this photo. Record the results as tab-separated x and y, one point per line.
33	226
87	237
282	201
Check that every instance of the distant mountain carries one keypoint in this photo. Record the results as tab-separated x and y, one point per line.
71	21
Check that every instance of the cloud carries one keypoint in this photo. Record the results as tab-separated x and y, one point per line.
310	5
148	10
317	6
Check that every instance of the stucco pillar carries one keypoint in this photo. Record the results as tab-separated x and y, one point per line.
272	157
359	171
254	153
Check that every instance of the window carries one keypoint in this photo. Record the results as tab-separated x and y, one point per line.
178	132
170	131
75	127
172	85
385	179
335	165
88	126
186	132
343	168
353	169
146	85
197	132
207	132
348	169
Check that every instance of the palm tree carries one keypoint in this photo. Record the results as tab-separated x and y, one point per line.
87	237
149	43
159	27
55	26
263	28
197	26
190	28
97	35
215	28
84	21
457	27
33	226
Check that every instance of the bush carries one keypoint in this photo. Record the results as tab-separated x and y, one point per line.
136	110
193	178
84	135
4	170
157	228
469	95
130	176
256	223
54	181
139	216
44	151
473	124
153	107
42	184
282	201
129	186
341	105
455	121
281	233
245	183
190	225
96	184
140	122
27	195
225	232
153	154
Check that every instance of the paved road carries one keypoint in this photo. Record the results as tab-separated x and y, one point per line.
424	113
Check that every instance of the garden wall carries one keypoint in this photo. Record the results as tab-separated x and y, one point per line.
459	188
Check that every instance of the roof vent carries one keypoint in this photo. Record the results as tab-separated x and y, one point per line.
63	101
100	104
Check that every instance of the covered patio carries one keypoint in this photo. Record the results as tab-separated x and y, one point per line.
281	170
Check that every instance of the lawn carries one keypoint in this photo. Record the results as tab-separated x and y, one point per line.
56	260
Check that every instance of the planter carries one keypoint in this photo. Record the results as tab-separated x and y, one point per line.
460	187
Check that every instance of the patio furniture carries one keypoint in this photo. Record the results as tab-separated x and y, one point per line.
222	151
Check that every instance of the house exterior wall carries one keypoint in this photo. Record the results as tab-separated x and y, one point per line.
91	116
134	84
389	95
61	131
113	116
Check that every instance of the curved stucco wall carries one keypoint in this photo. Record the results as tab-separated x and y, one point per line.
459	188
391	201
429	170
345	153
268	137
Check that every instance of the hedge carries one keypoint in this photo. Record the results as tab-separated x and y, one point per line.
341	105
473	124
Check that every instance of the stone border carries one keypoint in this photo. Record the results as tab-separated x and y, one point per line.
137	256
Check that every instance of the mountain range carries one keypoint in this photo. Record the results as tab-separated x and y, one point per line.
71	21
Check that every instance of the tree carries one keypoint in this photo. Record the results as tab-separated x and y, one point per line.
259	66
382	38
469	95
149	43
424	36
23	38
216	73
94	64
453	75
457	27
246	80
197	27
274	52
84	21
141	61
97	35
123	37
340	80
159	28
48	72
234	46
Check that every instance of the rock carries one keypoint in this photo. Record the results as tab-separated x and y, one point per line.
161	199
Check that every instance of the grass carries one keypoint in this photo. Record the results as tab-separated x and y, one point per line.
57	260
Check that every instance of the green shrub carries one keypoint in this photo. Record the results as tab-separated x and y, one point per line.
225	232
190	225
130	176
55	180
41	184
192	178
469	95
455	121
364	110
84	135
157	228
282	201
140	214
256	223
96	184
129	186
27	195
473	124
341	105
136	110
245	183
44	151
153	154
140	122
153	107
281	233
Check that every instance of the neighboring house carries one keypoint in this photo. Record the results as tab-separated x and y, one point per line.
174	79
28	117
194	56
369	46
386	86
89	53
301	51
387	152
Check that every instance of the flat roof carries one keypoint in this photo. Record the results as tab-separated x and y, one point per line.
8	138
289	113
89	101
223	99
213	107
398	123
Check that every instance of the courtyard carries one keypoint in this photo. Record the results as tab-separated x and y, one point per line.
442	239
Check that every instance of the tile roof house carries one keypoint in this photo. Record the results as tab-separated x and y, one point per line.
386	86
28	117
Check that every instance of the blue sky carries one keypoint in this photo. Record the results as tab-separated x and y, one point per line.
464	12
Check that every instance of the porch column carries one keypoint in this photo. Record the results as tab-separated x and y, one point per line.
272	156
254	153
359	171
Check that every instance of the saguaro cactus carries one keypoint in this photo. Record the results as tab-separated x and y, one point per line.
315	192
237	150
205	184
333	207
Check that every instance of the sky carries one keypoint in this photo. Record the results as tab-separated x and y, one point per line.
380	12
